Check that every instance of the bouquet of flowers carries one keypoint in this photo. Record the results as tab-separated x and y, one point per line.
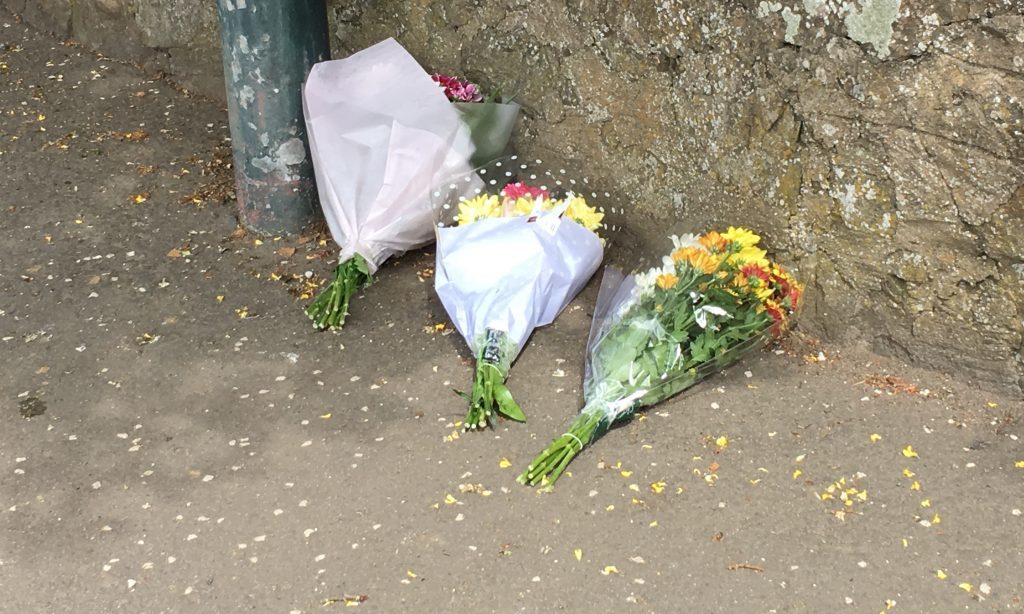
659	332
381	136
510	257
489	120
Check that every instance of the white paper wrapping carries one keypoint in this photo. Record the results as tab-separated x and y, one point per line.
381	135
512	274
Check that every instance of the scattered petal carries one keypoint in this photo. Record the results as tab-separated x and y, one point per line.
578	553
909	452
875	437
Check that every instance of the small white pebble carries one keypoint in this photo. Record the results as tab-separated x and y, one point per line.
96	485
188	590
985	588
1015	511
306	444
535	579
748	374
460	517
714	406
278	512
848	600
131	584
862	564
147	565
171	559
308	532
207	478
260	538
303	503
320	557
191	537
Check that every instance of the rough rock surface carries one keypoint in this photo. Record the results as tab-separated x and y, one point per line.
877	144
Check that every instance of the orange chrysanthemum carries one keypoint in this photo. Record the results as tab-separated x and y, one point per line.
714	241
703	261
683	254
666	281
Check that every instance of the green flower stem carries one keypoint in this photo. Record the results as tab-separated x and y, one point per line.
549	464
329	308
490	395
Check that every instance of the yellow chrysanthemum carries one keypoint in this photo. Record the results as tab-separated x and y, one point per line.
477	208
749	254
523	206
583	214
741	236
666	281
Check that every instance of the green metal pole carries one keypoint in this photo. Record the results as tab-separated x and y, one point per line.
269	47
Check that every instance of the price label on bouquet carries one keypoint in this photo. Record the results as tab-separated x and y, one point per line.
492	345
547	223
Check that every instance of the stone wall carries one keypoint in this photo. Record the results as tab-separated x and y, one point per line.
877	144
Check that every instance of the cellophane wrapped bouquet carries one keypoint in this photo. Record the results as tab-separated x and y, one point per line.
382	135
489	118
515	244
658	332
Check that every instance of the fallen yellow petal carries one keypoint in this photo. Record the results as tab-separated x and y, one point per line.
634	487
909	452
409	573
915	486
1019	464
722	441
654	523
449	500
326	416
610	569
907	473
578	553
926	503
941	575
967	586
875	437
658	487
905	542
936	519
797	473
625	473
504	463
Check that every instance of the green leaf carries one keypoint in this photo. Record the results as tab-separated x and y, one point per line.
507	405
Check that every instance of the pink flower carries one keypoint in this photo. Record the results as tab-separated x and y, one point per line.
458	90
521	190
